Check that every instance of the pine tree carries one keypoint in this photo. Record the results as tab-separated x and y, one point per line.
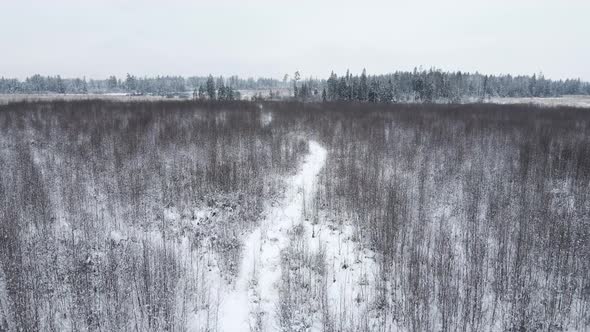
131	82
211	87
364	88
533	85
372	95
112	83
229	93
332	83
61	88
296	78
485	87
221	92
202	92
84	86
388	93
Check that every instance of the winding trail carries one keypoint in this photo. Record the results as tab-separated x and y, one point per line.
252	304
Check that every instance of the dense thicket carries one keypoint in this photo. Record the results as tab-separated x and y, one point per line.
480	214
86	190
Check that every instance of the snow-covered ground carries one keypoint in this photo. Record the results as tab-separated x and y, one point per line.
218	300
248	94
252	301
568	100
316	269
350	277
571	100
11	98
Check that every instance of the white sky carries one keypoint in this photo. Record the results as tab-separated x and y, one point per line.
273	37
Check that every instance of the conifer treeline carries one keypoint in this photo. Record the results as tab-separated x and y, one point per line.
160	85
401	86
435	85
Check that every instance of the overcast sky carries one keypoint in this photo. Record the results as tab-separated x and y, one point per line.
273	37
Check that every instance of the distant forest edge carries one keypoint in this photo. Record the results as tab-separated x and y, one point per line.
419	85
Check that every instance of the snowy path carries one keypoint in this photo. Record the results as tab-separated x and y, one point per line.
253	302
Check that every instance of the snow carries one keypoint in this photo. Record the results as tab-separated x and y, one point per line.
568	100
352	274
117	237
254	299
265	118
251	301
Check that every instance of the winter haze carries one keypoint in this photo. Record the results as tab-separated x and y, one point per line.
269	38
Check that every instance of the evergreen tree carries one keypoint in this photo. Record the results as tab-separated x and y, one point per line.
221	92
485	87
387	95
332	85
84	86
61	88
373	95
229	93
131	82
342	89
364	88
532	86
296	78
112	83
202	92
211	87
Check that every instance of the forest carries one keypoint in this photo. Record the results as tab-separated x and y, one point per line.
147	216
417	86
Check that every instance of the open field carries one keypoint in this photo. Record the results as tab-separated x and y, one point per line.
234	216
121	97
571	100
582	101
